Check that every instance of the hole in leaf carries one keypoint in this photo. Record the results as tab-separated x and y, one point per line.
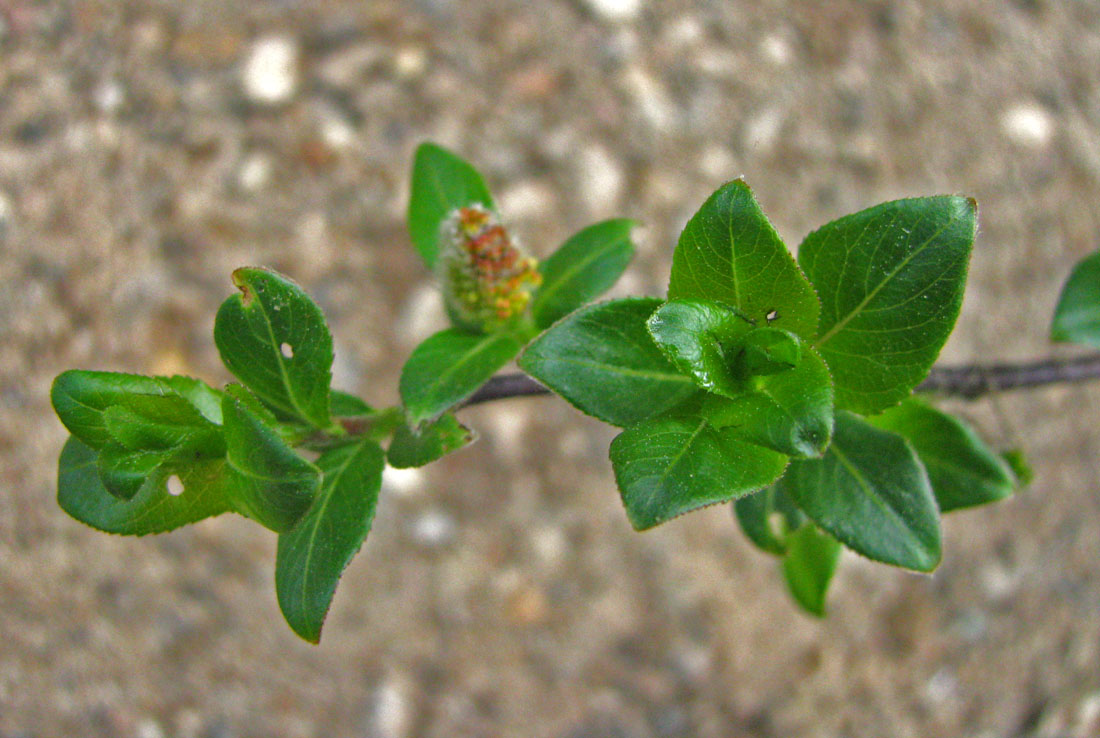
286	350
175	485
772	315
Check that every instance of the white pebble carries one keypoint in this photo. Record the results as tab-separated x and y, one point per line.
433	529
6	209
776	49
1028	125
391	710
149	729
255	172
336	131
762	131
271	71
529	199
616	10
601	179
110	96
410	62
422	315
402	482
651	98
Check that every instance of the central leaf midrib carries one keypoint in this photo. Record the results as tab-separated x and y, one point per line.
626	371
320	514
479	348
878	500
295	405
548	291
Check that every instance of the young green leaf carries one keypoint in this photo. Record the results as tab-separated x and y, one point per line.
272	484
603	361
582	269
730	253
81	397
963	471
345	405
1077	317
314	553
891	282
410	448
160	423
205	398
766	351
202	491
668	466
123	471
441	183
698	337
1018	464
766	517
274	339
872	494
808	566
790	412
450	366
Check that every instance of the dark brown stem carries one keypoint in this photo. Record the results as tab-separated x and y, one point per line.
969	382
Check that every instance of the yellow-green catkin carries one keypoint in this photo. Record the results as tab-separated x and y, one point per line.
487	280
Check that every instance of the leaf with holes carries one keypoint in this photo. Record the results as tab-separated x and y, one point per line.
450	366
809	565
891	282
1077	317
582	269
272	484
871	493
962	469
668	466
602	360
441	183
313	554
274	339
766	517
730	253
203	489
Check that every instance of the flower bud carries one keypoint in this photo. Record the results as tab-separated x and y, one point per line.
487	280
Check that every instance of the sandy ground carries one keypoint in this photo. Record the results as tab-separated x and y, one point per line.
502	593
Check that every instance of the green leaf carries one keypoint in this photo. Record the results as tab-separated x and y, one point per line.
450	366
274	339
81	397
891	282
81	494
962	470
808	567
790	412
1018	464
160	423
730	253
205	398
123	471
441	184
767	351
872	494
582	269
345	405
411	448
272	484
766	517
602	360
1077	317
314	553
700	338
668	466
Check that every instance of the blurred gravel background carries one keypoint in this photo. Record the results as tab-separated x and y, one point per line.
148	148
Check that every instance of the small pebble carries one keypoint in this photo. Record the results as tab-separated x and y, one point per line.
528	199
254	173
402	482
615	10
600	179
6	210
410	62
434	529
271	72
1028	125
390	717
109	97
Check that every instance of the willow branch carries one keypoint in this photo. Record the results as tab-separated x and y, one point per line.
970	382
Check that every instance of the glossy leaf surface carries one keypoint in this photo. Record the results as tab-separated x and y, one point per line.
668	466
1077	317
699	338
809	565
80	398
81	494
313	554
872	494
602	360
964	472
274	339
891	282
441	183
730	253
272	484
448	367
582	269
